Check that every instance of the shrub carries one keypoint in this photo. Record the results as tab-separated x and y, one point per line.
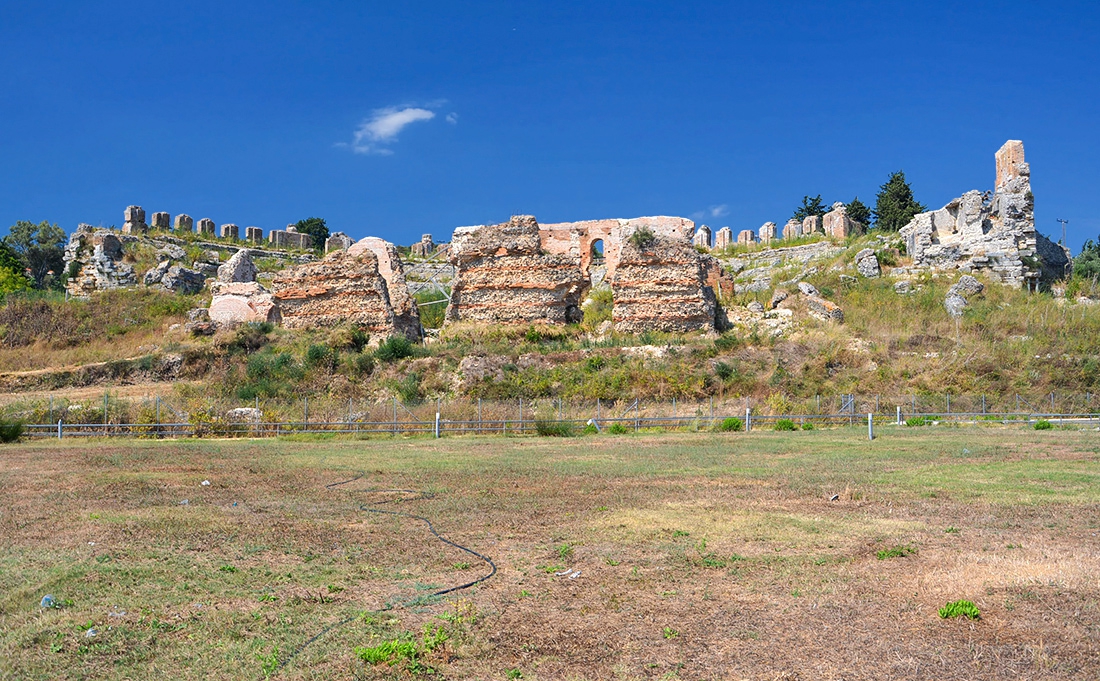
785	424
723	371
362	365
807	426
914	421
618	429
1043	424
731	424
10	431
591	429
394	348
727	342
408	389
642	238
597	309
319	354
550	428
960	609
250	338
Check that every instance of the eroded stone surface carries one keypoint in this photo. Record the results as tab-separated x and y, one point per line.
662	287
338	242
184	223
867	264
792	230
836	223
161	221
339	289
96	256
406	314
134	220
768	232
722	239
239	302
238	268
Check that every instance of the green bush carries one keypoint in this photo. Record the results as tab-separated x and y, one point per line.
723	370
1043	424
591	429
727	342
597	309
408	389
10	431
642	238
785	424
319	354
250	338
395	348
731	424
914	421
807	426
618	429
960	609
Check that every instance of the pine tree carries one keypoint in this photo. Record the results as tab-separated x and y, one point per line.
895	205
859	212
810	206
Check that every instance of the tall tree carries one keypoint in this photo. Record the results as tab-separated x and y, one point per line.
895	205
1087	264
810	206
859	212
316	228
41	247
12	277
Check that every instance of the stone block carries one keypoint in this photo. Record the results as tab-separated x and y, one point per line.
792	230
205	226
701	236
746	237
723	238
768	232
230	231
254	235
162	221
184	223
134	217
339	242
811	224
423	248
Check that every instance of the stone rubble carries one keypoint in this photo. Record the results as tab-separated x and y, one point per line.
95	257
238	268
867	264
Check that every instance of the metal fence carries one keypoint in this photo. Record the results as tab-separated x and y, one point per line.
556	416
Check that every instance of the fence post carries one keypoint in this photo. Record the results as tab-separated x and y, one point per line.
870	426
305	412
60	428
748	419
437	425
479	416
597	409
949	403
899	414
983	404
395	417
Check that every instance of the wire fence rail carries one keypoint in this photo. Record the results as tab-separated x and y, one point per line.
441	427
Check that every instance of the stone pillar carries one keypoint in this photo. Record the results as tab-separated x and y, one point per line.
424	247
254	235
811	225
746	237
205	226
702	236
792	230
767	232
231	231
162	221
339	242
1009	158
184	223
838	224
722	238
134	220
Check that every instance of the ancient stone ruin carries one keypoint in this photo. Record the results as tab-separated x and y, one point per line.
230	231
338	242
342	288
423	248
991	232
290	238
134	217
93	258
406	315
722	239
767	232
237	297
702	236
523	272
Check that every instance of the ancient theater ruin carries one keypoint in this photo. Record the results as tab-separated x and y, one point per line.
523	272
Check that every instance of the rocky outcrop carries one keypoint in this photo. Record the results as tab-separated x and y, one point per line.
956	300
406	313
867	264
825	310
661	286
504	276
94	261
238	268
990	232
340	289
183	280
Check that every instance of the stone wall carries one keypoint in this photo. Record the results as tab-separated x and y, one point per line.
406	314
987	232
661	287
340	289
94	257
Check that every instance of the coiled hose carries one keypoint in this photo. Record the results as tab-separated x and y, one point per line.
372	508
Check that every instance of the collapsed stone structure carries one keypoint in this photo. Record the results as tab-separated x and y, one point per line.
134	221
701	236
523	272
423	248
93	258
991	232
237	297
338	241
290	238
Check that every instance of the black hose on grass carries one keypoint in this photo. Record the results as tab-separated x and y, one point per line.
370	508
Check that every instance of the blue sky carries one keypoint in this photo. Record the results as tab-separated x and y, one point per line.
399	119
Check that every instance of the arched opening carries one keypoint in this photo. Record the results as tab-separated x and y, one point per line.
597	267
597	250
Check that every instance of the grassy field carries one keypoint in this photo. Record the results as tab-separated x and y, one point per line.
700	556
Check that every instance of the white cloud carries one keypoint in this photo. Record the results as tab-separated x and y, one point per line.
383	127
719	211
452	118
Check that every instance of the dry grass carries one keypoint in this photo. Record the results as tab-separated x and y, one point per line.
700	556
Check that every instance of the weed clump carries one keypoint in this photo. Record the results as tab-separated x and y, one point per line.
785	425
960	609
550	428
915	421
895	552
1043	424
10	431
618	429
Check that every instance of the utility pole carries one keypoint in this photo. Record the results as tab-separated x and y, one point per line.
1064	223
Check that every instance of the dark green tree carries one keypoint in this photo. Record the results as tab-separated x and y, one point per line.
859	212
316	228
1087	264
41	247
810	206
894	204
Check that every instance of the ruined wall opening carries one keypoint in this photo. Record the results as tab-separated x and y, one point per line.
597	265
